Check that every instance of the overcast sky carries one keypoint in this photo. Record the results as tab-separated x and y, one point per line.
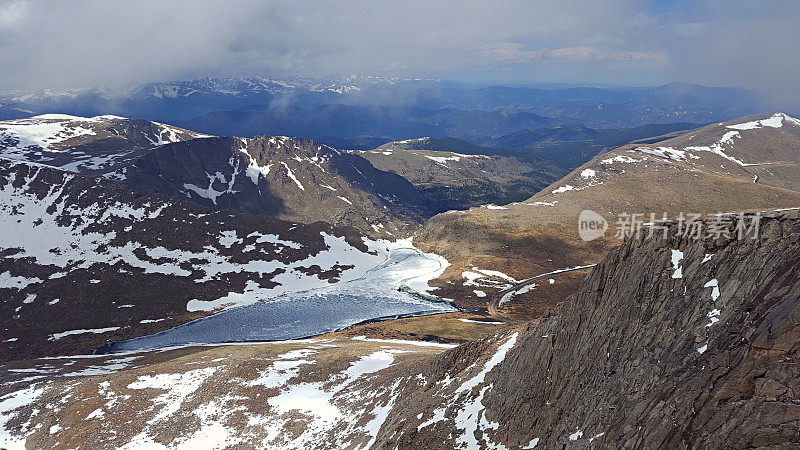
65	43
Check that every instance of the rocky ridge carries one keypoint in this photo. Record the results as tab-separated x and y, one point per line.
290	178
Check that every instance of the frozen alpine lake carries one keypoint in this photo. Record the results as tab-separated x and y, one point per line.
301	314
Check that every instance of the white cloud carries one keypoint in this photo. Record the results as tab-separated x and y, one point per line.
12	12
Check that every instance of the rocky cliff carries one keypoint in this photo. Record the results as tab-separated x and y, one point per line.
668	343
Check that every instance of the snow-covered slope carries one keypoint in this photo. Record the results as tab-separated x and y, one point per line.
84	144
85	260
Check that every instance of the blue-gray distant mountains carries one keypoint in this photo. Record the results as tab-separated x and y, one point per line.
390	108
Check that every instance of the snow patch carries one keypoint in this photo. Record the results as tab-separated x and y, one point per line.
714	284
566	188
677	256
620	159
576	435
62	334
480	321
664	152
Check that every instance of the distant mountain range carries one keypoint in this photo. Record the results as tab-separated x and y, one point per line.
386	108
481	115
185	99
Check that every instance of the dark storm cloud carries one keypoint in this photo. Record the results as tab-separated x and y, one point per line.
69	43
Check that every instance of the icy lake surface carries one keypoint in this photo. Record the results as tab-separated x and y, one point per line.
307	313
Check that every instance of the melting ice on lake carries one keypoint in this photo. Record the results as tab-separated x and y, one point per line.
307	313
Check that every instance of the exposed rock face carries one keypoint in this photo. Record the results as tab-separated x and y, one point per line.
638	357
86	260
290	178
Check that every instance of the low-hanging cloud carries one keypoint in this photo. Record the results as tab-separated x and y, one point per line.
511	51
71	43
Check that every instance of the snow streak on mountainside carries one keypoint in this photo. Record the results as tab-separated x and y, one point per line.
84	144
85	260
765	149
738	150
